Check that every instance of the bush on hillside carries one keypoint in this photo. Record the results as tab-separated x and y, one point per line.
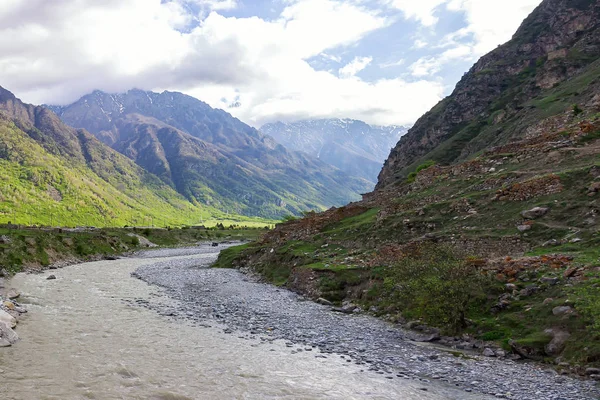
436	285
413	175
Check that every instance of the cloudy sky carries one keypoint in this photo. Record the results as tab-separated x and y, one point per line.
382	61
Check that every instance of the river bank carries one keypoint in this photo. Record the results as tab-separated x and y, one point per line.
36	249
243	306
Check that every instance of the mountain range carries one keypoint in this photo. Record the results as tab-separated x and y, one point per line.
352	146
209	156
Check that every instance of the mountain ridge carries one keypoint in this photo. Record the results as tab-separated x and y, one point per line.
211	157
556	42
351	145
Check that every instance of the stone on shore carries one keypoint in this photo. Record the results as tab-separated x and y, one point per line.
13	294
323	301
8	319
557	344
7	335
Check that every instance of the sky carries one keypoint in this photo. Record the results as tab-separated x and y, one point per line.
385	62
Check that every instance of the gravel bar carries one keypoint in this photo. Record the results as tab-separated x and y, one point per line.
242	305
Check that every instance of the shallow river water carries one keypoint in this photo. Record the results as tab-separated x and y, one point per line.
84	337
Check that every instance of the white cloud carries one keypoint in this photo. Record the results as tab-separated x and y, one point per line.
218	4
392	63
492	22
55	53
420	10
355	66
331	57
489	24
419	44
425	66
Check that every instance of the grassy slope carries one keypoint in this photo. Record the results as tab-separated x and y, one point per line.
354	257
37	187
484	132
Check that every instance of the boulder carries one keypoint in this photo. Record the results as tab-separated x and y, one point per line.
510	287
13	294
433	337
13	306
557	344
562	310
570	272
535	212
529	290
549	280
7	335
551	242
323	301
592	371
9	305
524	228
50	277
8	319
4	239
487	352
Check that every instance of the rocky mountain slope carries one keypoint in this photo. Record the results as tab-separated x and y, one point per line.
495	242
56	175
353	146
509	89
210	157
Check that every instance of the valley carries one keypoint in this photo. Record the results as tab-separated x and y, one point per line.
289	235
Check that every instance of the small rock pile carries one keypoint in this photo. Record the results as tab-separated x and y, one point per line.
522	191
10	311
509	269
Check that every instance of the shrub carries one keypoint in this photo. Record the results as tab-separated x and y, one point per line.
436	285
587	301
413	175
576	109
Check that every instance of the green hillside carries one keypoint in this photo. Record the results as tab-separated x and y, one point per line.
51	174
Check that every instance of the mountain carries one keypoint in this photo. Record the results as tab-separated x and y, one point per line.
485	223
56	175
352	146
549	65
210	157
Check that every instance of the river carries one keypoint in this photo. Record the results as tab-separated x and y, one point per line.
87	336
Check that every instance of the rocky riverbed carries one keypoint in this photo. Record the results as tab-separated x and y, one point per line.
241	305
